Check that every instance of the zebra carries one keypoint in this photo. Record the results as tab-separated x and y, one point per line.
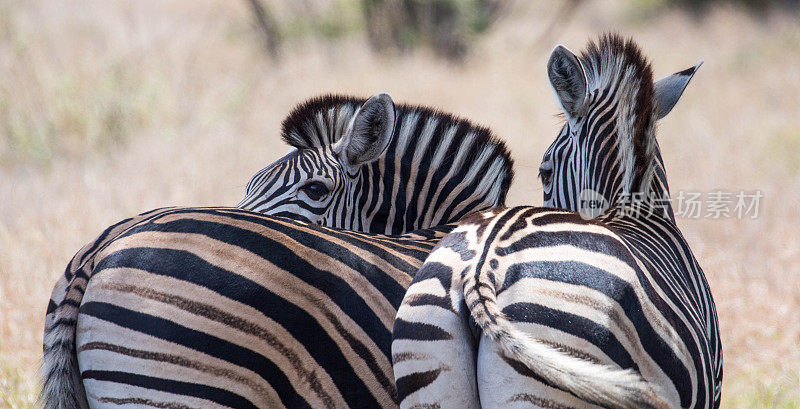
591	305
224	307
76	340
375	167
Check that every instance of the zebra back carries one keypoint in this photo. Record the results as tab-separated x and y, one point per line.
212	307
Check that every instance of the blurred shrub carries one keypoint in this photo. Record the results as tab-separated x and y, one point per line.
759	388
700	7
42	114
16	392
50	106
330	21
446	26
781	147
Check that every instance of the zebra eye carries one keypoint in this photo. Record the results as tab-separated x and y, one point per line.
315	190
545	174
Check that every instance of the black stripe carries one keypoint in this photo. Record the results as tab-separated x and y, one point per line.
575	325
303	326
416	381
51	306
210	393
415	216
402	208
170	331
446	186
419	331
578	273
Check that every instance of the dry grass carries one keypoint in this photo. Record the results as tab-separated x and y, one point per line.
111	108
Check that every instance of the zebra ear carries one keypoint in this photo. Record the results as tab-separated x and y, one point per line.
567	79
370	132
668	90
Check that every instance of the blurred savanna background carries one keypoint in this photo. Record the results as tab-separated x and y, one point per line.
111	108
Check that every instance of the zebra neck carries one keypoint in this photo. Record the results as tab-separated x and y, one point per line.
435	171
652	201
657	238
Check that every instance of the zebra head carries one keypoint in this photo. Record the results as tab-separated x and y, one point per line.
305	183
375	167
606	151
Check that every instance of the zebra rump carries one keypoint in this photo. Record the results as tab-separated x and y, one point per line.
222	307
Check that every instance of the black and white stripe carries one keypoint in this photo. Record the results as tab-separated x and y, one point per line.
554	308
222	307
375	167
345	159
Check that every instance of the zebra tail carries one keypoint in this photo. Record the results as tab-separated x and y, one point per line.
62	386
599	384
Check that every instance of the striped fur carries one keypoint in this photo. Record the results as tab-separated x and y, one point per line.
436	169
551	308
221	307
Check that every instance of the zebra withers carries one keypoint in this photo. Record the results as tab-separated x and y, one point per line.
129	259
375	167
556	308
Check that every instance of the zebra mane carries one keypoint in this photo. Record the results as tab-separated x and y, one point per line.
617	65
319	121
421	133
